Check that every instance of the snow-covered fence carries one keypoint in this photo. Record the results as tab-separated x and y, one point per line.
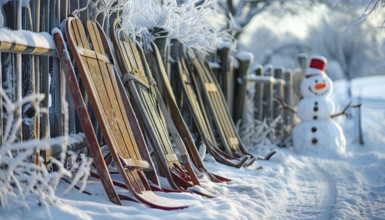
29	66
41	74
268	84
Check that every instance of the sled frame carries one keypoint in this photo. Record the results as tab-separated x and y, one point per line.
218	111
112	109
152	112
198	112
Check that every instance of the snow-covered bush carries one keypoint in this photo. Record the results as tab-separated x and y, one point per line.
21	180
187	22
260	132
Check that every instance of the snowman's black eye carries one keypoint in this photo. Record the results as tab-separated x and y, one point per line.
316	81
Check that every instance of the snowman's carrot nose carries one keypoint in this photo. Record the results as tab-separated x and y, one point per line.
320	86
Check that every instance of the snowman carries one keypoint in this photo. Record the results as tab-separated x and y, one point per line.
317	131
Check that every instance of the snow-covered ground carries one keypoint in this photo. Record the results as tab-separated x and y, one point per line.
290	186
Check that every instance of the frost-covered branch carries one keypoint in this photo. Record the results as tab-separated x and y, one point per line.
187	22
21	180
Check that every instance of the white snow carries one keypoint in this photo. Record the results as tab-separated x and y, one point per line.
27	38
290	186
245	56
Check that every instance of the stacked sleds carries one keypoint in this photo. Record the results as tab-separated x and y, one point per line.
144	130
113	111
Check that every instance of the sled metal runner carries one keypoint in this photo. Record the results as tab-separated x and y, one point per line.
153	115
113	112
218	110
194	100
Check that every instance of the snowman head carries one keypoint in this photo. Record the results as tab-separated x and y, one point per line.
316	82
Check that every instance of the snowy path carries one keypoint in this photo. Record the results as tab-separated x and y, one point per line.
312	195
343	187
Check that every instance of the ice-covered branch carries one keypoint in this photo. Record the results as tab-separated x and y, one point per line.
343	112
21	180
188	22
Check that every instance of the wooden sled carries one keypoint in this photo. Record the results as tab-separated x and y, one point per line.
154	116
193	100
217	108
113	112
160	75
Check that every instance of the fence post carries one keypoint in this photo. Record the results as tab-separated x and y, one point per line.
288	77
29	129
302	60
278	92
268	89
161	41
242	86
227	76
359	123
258	94
7	60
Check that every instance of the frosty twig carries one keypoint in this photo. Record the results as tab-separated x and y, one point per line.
284	105
345	109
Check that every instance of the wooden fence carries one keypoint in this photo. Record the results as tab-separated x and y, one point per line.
267	84
24	74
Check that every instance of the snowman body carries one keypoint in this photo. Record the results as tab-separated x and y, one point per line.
313	108
323	135
317	131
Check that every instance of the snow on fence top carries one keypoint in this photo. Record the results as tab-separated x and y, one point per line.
245	56
24	3
26	42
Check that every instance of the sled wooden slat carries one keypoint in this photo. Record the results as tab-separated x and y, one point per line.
104	91
171	158
218	110
211	87
81	109
233	142
158	71
104	98
145	102
92	54
137	164
193	100
157	121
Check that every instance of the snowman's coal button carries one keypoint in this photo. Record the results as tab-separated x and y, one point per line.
315	108
315	117
315	103
314	141
313	129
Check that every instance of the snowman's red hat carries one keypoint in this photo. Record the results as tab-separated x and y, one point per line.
316	67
